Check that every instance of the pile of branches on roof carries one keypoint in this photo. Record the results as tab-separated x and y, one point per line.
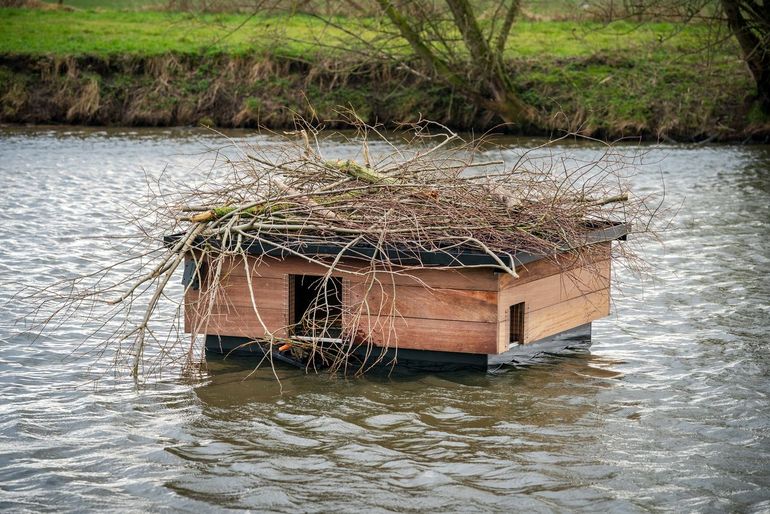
437	196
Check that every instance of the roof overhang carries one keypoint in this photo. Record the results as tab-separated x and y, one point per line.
451	256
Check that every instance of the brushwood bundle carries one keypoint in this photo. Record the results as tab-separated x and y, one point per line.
375	213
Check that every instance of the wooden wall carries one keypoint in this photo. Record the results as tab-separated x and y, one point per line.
446	310
557	297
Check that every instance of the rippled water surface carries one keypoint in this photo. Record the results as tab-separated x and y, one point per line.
670	410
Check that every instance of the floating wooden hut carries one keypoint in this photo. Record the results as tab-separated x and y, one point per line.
456	308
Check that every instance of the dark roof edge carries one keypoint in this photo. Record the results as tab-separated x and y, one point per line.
451	257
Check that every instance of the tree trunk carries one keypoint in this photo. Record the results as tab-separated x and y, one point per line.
489	66
749	21
491	87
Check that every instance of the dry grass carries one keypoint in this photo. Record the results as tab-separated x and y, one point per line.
87	103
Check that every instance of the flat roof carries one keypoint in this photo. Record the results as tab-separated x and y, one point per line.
308	245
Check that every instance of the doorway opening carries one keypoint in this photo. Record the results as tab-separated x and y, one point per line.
315	306
516	330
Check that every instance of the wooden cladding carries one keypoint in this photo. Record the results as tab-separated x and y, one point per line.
443	310
561	263
566	315
467	310
424	303
427	334
557	296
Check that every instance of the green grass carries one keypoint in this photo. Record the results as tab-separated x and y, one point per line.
139	33
96	32
548	8
111	4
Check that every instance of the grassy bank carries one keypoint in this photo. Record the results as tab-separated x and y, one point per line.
160	68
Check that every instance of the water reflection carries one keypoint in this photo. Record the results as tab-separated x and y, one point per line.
337	440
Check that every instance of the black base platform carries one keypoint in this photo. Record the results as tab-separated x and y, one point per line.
577	339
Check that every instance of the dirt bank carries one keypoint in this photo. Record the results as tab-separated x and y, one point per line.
595	96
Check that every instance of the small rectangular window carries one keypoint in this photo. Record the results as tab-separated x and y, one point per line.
315	306
516	314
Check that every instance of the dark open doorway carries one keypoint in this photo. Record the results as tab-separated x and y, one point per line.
315	306
516	332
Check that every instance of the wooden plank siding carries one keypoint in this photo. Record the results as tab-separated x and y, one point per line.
555	298
421	302
417	317
566	315
480	279
447	310
237	323
432	309
428	334
547	267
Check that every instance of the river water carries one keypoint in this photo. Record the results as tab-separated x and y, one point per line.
669	411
